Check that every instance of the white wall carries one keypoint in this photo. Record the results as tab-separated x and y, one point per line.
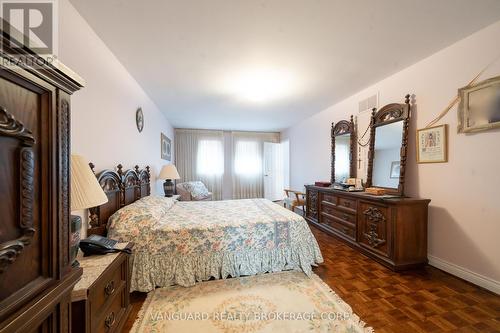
103	125
464	215
103	113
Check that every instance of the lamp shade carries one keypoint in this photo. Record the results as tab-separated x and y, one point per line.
85	189
169	171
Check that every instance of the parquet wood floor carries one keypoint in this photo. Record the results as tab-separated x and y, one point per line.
426	300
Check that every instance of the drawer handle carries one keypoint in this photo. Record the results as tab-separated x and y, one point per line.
346	217
347	204
110	320
345	230
110	288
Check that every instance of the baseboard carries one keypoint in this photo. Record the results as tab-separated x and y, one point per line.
464	273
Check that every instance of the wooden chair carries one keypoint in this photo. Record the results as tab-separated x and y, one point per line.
295	199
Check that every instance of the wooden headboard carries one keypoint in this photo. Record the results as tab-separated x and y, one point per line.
122	187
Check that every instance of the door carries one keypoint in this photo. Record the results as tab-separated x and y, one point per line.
273	171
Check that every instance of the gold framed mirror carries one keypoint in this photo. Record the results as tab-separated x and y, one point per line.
343	149
388	147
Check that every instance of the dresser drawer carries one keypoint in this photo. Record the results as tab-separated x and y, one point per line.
108	320
345	217
330	198
327	207
342	229
349	204
107	286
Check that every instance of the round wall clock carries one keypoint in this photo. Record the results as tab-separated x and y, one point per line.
139	119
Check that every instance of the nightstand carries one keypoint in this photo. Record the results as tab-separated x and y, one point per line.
100	300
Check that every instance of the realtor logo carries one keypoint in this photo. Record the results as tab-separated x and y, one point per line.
30	24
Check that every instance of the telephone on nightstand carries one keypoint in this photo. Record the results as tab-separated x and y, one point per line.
96	244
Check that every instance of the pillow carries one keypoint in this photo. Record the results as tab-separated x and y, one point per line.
183	192
141	214
197	189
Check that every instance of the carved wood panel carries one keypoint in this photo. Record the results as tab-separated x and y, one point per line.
64	176
12	128
29	228
373	228
312	204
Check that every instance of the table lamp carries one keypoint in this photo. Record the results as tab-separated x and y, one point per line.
85	193
169	172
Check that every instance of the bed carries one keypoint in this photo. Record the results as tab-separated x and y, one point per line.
187	242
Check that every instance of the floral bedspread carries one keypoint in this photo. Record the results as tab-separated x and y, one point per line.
184	242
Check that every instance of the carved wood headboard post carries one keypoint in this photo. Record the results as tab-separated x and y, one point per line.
94	211
122	187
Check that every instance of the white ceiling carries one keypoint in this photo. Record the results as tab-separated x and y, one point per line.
184	53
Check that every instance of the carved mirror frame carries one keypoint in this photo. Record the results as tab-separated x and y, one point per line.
389	114
340	128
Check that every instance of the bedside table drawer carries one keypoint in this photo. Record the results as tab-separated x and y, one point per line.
106	287
110	318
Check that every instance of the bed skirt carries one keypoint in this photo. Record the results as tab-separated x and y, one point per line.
162	270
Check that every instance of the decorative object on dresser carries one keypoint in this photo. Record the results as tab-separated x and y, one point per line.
390	228
169	172
375	191
100	300
343	150
139	119
36	276
85	193
388	127
121	188
432	144
166	147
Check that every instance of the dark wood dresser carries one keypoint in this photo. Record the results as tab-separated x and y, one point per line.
392	231
36	277
100	300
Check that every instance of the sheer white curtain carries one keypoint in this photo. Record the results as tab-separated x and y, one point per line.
199	155
248	163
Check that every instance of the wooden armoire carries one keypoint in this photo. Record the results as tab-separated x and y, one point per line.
36	277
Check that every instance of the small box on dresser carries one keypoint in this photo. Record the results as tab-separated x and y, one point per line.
100	300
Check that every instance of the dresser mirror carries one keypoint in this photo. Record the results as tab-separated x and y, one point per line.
343	149
388	147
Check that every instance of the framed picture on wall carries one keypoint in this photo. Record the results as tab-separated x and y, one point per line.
479	107
432	144
166	148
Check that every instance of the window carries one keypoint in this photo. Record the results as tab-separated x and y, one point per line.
210	158
248	158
